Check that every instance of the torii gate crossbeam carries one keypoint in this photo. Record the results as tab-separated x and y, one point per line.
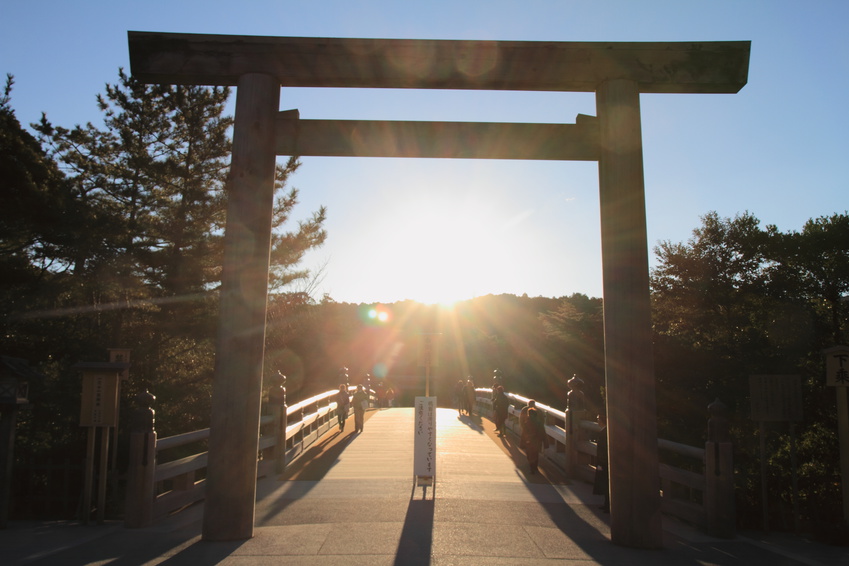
617	72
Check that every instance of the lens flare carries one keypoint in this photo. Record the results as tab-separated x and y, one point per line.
380	370
375	315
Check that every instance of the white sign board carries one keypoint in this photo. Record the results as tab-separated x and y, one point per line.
837	366
424	445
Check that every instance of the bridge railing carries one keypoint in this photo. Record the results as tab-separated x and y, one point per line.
159	483
697	484
701	491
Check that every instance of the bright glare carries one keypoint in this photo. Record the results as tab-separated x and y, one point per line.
445	245
442	232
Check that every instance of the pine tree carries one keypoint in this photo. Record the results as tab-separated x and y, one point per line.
37	233
154	182
35	201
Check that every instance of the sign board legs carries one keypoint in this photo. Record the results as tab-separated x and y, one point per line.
102	471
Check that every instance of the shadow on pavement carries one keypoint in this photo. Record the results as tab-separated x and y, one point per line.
313	464
474	422
204	552
416	542
120	548
584	525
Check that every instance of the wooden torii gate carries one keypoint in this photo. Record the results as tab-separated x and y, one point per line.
617	72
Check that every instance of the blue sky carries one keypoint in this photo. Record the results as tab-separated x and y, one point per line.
434	230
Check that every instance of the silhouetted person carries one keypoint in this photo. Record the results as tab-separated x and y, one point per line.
601	482
381	396
459	396
360	402
469	396
537	439
342	404
523	422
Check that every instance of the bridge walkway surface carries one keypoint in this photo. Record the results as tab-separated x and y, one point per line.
351	499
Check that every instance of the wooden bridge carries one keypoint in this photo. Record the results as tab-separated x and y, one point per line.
352	497
293	434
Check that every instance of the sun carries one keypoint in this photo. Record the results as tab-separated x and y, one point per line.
438	238
438	256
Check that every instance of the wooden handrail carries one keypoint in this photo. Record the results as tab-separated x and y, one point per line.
182	439
581	453
575	451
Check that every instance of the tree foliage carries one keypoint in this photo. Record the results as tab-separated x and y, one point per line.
576	329
473	338
38	215
814	263
739	300
112	236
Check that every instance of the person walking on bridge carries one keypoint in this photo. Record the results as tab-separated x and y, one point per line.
537	439
360	402
460	396
469	396
342	406
523	423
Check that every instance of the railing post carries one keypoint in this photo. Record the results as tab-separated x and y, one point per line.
574	413
142	465
368	390
719	474
277	402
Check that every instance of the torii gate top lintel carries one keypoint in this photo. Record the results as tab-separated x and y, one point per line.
657	67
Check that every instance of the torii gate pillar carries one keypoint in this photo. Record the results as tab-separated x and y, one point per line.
232	468
629	366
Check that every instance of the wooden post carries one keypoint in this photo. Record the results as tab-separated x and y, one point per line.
140	480
142	466
794	465
277	402
764	487
635	514
569	447
102	473
237	382
8	418
89	475
719	474
837	376
843	438
575	402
